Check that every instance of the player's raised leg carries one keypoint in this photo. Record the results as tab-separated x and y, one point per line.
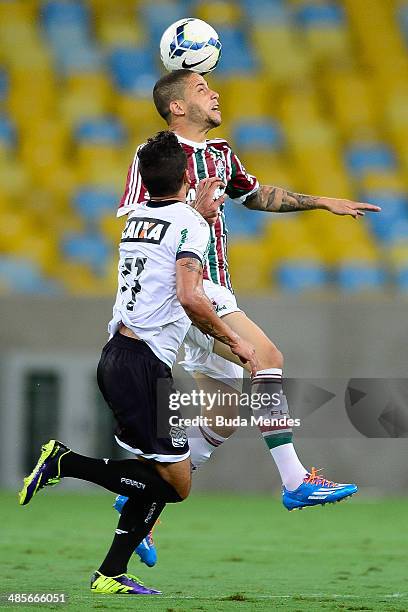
300	488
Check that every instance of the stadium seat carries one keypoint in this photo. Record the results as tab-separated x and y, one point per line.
255	97
249	266
237	57
90	249
218	12
241	221
267	11
280	53
7	133
22	276
269	167
258	135
93	203
394	211
359	277
363	157
301	276
4	85
106	131
159	15
133	69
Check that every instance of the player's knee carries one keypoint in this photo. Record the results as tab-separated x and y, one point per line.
183	489
271	357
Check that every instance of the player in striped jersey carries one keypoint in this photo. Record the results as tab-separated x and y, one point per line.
191	109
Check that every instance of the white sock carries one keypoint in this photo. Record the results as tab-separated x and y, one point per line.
290	468
203	442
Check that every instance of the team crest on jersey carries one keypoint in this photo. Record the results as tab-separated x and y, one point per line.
145	229
220	169
178	437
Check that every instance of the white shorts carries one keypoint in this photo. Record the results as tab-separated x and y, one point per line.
199	356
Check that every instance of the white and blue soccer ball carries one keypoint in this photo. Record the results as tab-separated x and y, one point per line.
190	43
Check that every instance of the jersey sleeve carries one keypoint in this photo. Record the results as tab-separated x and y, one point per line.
241	184
135	192
193	236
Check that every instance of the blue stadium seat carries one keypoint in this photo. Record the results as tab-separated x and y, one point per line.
23	276
402	19
7	131
101	131
58	12
401	278
92	203
258	134
78	58
363	157
320	14
394	210
4	85
302	276
275	12
90	249
132	69
158	16
241	221
237	56
360	276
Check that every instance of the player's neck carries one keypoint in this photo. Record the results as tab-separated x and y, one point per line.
180	196
190	132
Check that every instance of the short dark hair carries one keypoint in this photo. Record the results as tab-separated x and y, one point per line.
162	163
169	88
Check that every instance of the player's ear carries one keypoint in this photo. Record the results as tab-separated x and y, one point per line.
177	108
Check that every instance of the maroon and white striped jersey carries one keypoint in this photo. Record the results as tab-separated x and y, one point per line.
210	158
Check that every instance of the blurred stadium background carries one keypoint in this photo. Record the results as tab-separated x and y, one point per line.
314	97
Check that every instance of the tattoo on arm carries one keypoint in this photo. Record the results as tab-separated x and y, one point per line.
191	264
207	327
276	199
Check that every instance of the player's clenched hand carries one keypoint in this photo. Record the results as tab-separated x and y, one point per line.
347	207
246	352
204	202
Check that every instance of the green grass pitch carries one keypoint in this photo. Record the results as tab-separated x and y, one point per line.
216	552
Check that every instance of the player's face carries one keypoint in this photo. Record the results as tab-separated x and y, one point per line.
202	103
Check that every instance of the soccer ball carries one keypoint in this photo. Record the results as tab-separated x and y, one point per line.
192	44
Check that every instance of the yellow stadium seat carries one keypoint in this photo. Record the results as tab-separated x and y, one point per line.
139	115
86	95
77	278
352	100
15	226
280	53
249	266
377	181
269	168
328	45
62	182
378	34
323	172
287	237
14	179
299	104
218	12
111	227
119	31
40	248
101	166
254	94
318	134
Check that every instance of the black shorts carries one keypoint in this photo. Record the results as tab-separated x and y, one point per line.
136	386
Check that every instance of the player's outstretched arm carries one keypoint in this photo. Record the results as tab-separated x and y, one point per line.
277	199
190	293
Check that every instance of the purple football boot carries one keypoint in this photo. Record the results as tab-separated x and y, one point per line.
124	584
46	472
